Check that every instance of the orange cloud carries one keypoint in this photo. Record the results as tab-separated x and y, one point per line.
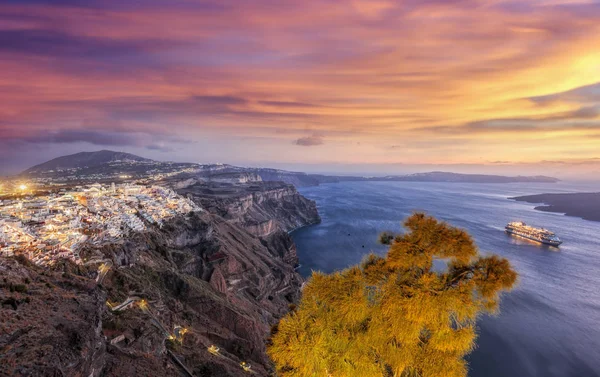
460	82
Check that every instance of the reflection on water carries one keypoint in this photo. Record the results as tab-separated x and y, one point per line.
549	326
516	240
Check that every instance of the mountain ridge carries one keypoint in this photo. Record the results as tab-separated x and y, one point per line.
95	163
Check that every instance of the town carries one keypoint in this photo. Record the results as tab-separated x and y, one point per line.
57	225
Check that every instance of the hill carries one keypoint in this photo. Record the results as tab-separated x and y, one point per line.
84	160
107	164
439	176
300	179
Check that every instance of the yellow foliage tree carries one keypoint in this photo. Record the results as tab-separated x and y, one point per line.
394	316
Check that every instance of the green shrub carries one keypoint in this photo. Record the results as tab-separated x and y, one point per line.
386	238
21	288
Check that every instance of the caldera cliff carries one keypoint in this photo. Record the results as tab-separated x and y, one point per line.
224	274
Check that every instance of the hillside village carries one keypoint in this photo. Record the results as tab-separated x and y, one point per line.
50	227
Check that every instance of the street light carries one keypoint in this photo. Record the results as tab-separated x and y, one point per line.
245	366
143	304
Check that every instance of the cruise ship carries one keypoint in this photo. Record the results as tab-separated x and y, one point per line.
519	228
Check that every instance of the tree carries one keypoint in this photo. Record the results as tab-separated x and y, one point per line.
394	316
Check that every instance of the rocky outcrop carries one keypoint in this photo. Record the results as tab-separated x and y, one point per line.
50	321
261	207
209	275
281	245
233	177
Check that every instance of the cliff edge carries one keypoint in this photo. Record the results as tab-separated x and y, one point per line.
155	302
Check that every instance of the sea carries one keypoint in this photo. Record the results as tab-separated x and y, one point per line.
548	326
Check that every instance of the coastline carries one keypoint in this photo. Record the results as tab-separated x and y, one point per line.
585	205
303	226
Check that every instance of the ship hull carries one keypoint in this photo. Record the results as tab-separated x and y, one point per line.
545	242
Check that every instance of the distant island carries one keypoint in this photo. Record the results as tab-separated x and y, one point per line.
303	179
110	165
582	204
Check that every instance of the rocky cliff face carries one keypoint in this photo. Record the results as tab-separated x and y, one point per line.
234	178
226	275
261	208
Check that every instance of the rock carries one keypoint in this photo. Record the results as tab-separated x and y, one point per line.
259	207
54	330
117	339
217	281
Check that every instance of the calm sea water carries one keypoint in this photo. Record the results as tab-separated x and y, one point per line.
549	326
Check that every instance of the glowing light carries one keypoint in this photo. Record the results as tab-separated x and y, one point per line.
143	304
213	349
22	187
245	366
103	268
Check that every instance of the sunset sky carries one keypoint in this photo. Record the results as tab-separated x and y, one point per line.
318	85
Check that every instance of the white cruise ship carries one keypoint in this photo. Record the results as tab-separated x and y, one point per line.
520	229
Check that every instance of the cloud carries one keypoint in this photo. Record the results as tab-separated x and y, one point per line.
102	4
123	138
160	147
53	2
218	100
584	94
581	119
309	141
137	106
96	137
286	104
197	107
58	44
513	77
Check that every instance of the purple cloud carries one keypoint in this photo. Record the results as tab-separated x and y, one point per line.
309	141
156	141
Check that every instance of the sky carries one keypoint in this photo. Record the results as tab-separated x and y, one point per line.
378	86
